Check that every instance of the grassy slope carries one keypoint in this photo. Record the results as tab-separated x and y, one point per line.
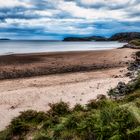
136	43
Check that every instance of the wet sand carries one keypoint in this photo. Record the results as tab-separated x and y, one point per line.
29	65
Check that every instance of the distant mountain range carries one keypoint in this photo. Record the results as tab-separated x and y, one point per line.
96	38
125	37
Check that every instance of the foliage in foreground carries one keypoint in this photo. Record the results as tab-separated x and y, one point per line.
103	119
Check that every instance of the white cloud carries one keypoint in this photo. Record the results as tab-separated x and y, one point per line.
107	2
14	3
93	13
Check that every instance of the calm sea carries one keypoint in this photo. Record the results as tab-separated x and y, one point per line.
12	47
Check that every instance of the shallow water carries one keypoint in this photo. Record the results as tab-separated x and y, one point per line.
11	46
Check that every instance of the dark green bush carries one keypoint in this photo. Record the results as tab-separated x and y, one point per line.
72	121
32	116
132	97
18	127
95	104
53	120
92	104
78	107
59	109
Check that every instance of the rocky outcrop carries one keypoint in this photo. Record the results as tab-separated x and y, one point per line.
127	36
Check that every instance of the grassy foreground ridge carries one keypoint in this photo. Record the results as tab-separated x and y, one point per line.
100	119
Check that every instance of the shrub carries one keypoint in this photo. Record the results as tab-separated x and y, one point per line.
32	116
72	121
59	109
52	121
92	104
132	96
19	127
78	107
96	104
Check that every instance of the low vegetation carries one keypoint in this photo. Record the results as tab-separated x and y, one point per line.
105	120
135	42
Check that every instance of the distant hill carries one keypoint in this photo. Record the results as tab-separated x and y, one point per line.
92	38
127	36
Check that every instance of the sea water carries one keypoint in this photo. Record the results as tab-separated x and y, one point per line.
35	46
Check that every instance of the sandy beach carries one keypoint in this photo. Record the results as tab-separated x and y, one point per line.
28	65
84	75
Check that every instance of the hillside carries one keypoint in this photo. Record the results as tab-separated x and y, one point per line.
126	37
92	38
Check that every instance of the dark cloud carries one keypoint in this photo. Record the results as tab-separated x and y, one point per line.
112	5
16	13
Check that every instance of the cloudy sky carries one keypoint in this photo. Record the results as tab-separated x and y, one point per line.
55	19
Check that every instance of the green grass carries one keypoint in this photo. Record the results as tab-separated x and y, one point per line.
107	120
135	42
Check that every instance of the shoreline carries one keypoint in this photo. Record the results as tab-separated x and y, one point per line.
40	64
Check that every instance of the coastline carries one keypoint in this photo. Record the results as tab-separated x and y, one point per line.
39	64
